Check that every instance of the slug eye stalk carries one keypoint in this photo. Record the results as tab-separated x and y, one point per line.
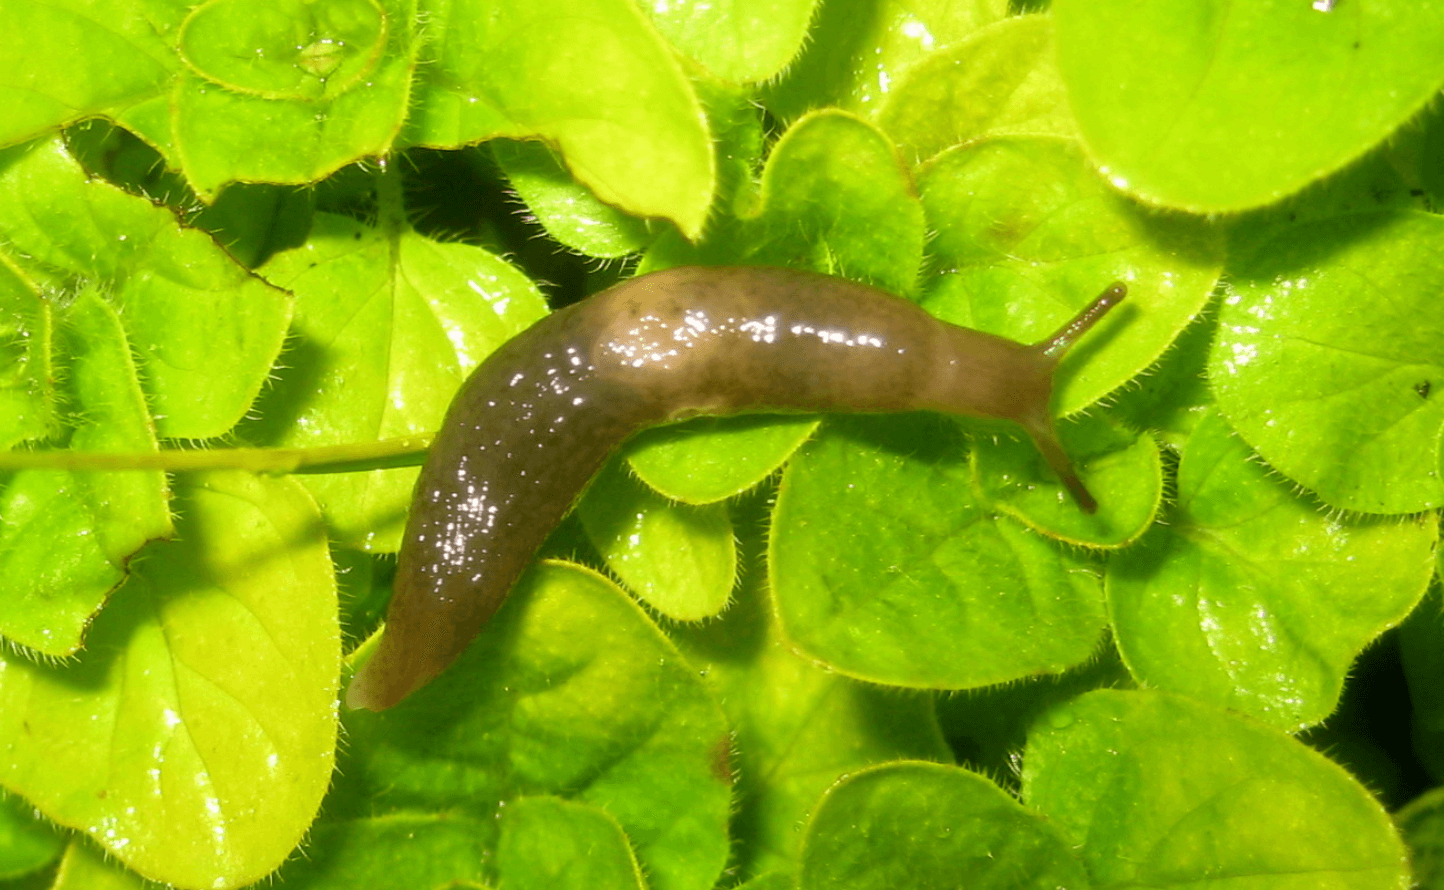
1040	425
1063	339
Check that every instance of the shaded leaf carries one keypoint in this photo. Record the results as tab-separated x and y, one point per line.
1422	824
548	843
885	566
927	826
1421	650
797	726
570	211
570	692
28	842
1157	790
1252	598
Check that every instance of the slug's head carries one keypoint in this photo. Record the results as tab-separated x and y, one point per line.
1038	421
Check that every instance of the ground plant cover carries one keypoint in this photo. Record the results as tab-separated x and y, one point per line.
248	253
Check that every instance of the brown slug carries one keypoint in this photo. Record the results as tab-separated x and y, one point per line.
538	418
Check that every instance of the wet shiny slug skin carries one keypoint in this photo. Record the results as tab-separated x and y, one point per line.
539	417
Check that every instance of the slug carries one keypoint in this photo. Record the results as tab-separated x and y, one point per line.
538	418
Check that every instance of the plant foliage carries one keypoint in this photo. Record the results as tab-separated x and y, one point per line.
772	652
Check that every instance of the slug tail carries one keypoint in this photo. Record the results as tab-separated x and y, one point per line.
361	695
367	692
394	671
1055	346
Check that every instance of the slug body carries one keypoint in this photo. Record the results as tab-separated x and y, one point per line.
540	416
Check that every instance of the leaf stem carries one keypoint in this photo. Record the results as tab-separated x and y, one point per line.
407	451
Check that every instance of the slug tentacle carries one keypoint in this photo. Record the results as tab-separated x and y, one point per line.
1040	426
1063	339
1045	437
538	418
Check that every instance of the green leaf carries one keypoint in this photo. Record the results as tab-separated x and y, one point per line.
1211	106
443	850
293	94
868	225
570	211
710	459
28	842
1350	736
285	50
1330	344
193	738
777	880
988	727
1422	824
1252	598
1000	80
678	559
926	825
1378	181
548	843
741	136
1027	234
493	70
885	567
75	58
255	221
738	41
204	331
571	692
1015	478
1172	397
955	551
858	49
1431	152
797	726
834	199
1421	650
86	868
27	383
388	325
66	537
363	587
1157	790
225	93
